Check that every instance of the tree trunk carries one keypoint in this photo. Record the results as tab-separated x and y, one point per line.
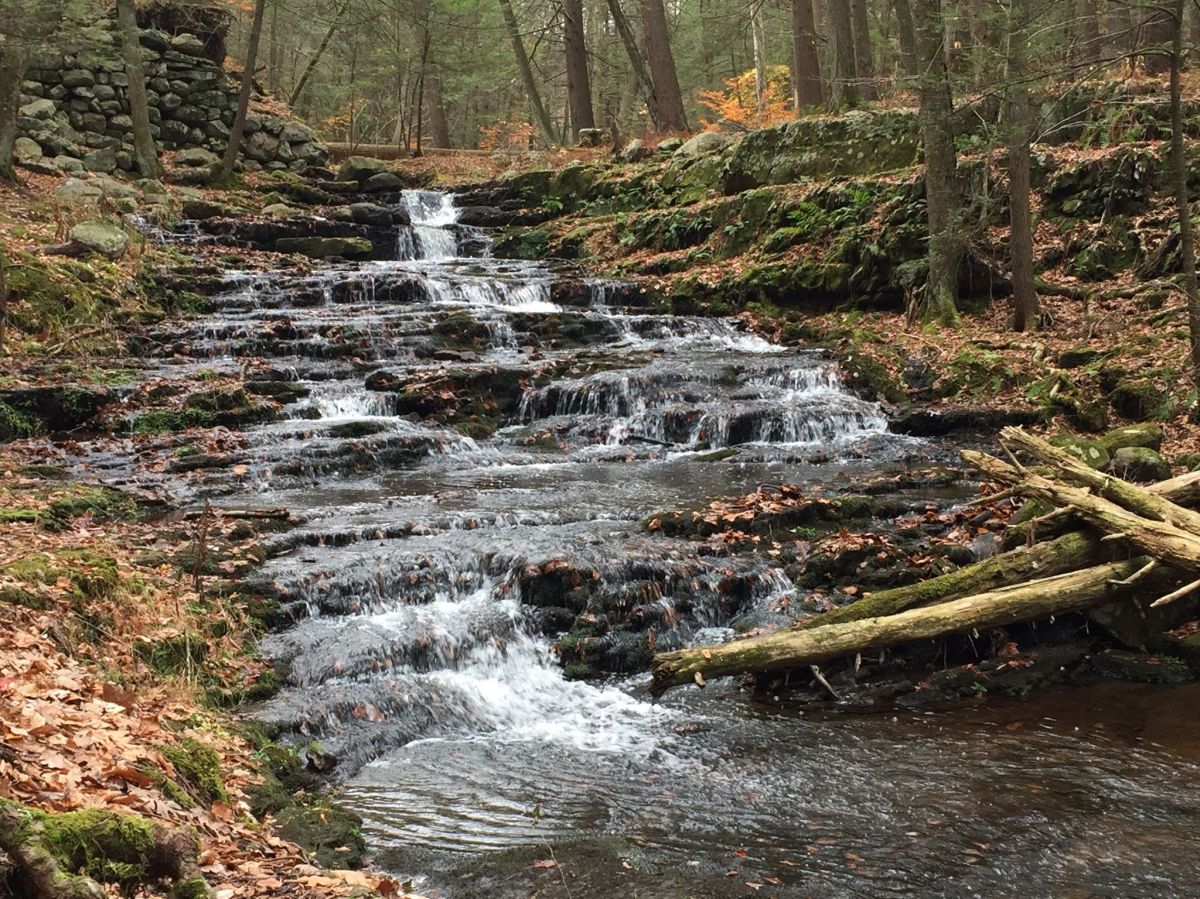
644	84
243	107
12	69
806	62
321	48
864	61
787	649
1179	172
139	109
1020	136
1087	42
439	127
759	37
273	49
844	72
942	199
579	85
541	119
907	38
667	95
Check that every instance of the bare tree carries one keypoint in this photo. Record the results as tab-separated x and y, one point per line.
667	94
864	59
320	51
144	147
1179	172
243	107
942	200
844	80
579	84
1020	136
806	63
541	118
645	85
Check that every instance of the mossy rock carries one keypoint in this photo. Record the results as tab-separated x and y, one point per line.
325	247
91	575
1145	435
102	503
332	834
1138	463
1077	357
1139	401
15	425
165	421
523	243
198	768
1142	668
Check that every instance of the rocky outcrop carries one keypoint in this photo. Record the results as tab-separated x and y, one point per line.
74	113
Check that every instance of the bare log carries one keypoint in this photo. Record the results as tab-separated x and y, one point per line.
795	648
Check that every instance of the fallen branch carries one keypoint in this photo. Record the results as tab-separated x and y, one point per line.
797	648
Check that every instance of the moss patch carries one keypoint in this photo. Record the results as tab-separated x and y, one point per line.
198	768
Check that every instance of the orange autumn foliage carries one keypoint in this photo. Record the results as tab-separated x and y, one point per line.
739	105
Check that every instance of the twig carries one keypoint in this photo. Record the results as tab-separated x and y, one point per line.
816	672
1178	594
1137	575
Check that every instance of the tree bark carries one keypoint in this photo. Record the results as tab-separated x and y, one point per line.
1179	173
12	69
667	94
645	85
787	649
942	199
907	38
844	77
540	117
316	57
243	107
579	85
139	108
759	39
806	62
864	60
439	127
1020	136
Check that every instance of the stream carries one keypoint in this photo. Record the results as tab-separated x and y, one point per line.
424	662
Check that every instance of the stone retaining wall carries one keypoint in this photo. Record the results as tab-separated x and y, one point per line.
74	112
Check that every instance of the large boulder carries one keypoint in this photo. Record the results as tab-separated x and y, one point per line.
196	157
702	143
100	237
371	214
855	144
76	192
1138	463
26	151
360	168
384	182
39	109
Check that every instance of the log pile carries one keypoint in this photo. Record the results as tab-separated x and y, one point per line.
1127	543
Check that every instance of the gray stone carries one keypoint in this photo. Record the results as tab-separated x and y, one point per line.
205	209
325	247
635	150
100	237
105	92
217	131
121	123
155	40
119	79
93	121
57	92
192	115
260	146
279	210
383	182
39	109
159	85
295	133
174	132
187	44
669	145
183	88
371	214
195	158
102	160
84	93
170	101
68	164
26	151
704	142
360	168
113	189
78	78
253	124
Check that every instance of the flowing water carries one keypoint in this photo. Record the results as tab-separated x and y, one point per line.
426	558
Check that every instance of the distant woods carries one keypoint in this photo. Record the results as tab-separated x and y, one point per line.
510	73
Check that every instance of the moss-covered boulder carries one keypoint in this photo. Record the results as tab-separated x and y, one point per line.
197	769
1146	435
854	144
1139	401
1094	452
1143	668
1137	463
325	247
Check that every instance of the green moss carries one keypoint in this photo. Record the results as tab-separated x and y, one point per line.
102	503
331	833
105	846
199	769
15	424
167	787
92	575
165	421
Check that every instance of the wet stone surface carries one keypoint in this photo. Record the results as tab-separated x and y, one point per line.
473	447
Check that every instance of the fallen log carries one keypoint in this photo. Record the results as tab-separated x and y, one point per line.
1139	500
1161	540
797	648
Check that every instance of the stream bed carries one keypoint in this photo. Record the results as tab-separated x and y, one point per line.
424	661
